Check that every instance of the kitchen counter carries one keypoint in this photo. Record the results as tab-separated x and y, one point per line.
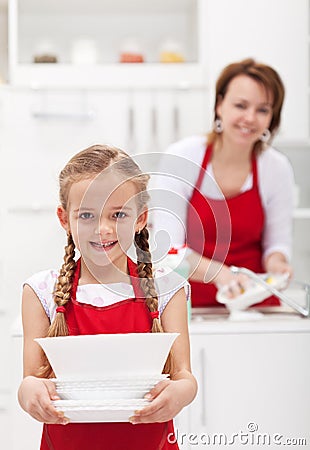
275	320
217	321
253	378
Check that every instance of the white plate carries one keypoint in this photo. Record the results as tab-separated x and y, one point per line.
97	389
94	356
255	294
93	415
100	390
106	389
92	412
103	394
100	403
136	380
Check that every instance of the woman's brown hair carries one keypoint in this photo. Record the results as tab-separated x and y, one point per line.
88	164
265	76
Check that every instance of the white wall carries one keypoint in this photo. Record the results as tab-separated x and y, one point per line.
275	32
3	45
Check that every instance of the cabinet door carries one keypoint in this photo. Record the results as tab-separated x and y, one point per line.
251	387
29	430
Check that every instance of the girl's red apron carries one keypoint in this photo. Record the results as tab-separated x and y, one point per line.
127	316
208	232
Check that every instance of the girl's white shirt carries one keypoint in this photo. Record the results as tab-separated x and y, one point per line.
167	284
179	169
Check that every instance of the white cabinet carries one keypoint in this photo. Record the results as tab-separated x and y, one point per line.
105	29
210	34
29	430
253	382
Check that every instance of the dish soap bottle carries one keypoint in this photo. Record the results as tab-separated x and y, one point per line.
176	261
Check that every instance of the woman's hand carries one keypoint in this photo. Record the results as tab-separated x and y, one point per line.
277	263
35	396
236	283
167	399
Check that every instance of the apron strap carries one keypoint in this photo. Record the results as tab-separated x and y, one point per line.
254	172
206	160
203	167
75	280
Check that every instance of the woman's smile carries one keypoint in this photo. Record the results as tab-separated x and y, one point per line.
245	130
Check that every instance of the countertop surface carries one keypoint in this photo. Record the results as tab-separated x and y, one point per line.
261	320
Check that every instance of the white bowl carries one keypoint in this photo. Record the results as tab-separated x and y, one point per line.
103	355
256	293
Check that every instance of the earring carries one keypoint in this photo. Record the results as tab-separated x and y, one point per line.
265	135
139	231
218	126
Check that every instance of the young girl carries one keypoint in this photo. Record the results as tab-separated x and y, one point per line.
104	212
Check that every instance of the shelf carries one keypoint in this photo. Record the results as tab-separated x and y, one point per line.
76	30
174	75
104	6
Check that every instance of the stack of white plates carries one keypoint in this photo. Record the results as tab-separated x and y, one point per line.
107	388
104	378
104	400
103	411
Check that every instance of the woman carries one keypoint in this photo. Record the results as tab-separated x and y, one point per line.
247	222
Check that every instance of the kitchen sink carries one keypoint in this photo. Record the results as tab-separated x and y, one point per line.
222	314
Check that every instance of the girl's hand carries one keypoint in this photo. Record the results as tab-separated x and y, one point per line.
166	401
35	396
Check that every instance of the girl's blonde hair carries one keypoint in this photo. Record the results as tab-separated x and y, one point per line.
86	165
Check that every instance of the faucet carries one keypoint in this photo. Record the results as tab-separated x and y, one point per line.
304	311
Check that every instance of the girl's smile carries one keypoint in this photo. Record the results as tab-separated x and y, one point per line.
103	246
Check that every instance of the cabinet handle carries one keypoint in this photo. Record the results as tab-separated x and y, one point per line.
203	390
35	208
154	147
154	123
88	115
131	122
131	140
176	122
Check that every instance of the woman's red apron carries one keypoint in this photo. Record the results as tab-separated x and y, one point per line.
127	316
208	232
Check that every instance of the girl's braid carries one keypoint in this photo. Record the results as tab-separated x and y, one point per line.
145	273
64	283
62	295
